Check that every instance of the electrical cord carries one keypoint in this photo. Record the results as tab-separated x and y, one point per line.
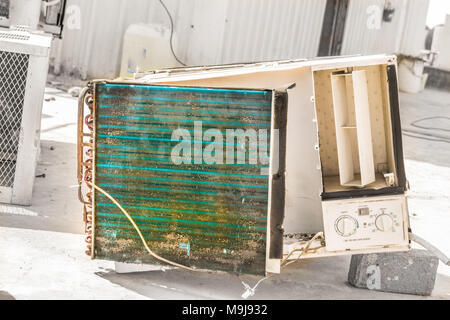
427	136
417	136
435	251
250	291
414	123
302	250
171	33
139	231
441	256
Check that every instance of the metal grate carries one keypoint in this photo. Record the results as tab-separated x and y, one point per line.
4	8
13	76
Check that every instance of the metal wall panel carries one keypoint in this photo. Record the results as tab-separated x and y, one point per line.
208	31
226	31
271	30
414	31
404	34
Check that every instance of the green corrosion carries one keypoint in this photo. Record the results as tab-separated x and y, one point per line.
210	216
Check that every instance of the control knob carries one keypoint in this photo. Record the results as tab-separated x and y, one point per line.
384	222
346	226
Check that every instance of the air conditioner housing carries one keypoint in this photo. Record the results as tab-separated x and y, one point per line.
345	174
43	15
24	59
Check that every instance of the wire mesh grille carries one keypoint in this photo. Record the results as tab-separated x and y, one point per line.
13	76
4	8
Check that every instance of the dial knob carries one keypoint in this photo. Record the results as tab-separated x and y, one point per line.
384	222
346	226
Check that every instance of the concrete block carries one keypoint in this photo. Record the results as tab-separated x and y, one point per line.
411	272
6	296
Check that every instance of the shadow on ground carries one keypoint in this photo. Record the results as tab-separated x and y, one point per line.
6	296
55	206
324	278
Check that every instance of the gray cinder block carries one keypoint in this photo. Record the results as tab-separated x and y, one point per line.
411	272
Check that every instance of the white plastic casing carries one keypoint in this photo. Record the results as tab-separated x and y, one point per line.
367	223
18	40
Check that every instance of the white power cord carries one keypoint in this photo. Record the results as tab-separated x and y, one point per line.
430	248
250	291
302	250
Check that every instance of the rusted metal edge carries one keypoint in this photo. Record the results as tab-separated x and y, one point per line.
85	162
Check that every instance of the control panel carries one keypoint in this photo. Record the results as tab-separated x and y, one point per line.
365	223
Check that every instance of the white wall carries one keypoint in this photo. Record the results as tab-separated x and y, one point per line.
208	31
228	31
441	44
366	33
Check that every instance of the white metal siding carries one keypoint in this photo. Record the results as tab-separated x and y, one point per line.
405	33
208	31
227	31
414	32
267	30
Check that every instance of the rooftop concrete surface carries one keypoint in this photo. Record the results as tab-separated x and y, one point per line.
42	246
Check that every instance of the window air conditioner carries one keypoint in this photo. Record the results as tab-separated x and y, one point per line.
345	186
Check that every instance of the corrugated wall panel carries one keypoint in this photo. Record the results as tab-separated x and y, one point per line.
227	31
362	34
208	31
266	30
413	40
94	49
405	33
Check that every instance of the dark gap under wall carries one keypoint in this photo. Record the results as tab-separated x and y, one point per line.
438	78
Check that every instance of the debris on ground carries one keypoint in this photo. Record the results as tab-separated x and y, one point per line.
74	91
